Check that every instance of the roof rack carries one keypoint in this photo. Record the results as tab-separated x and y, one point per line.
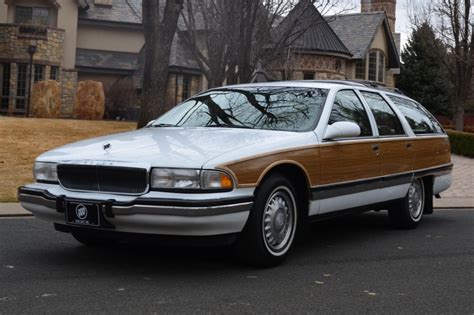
360	83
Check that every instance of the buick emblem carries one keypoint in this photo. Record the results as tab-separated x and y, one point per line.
81	211
106	146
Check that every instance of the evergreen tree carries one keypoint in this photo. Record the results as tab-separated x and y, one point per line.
424	75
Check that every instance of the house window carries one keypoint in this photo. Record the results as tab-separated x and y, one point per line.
32	16
360	70
186	90
381	67
54	73
4	85
21	85
308	76
372	68
39	73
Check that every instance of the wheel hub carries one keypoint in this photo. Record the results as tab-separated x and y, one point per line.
278	221
415	200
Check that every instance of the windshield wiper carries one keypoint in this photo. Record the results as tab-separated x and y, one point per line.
163	125
230	126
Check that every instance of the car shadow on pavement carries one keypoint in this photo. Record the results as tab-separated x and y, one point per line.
325	242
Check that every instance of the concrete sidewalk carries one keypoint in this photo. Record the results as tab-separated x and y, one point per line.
12	209
459	195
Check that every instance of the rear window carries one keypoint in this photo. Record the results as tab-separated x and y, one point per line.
419	119
386	119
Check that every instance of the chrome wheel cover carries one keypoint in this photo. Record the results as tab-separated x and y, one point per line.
416	199
279	221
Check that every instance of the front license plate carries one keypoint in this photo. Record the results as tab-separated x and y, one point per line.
82	213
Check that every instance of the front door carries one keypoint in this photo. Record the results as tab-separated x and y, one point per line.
348	165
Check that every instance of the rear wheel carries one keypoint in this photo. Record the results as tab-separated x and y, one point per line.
409	212
270	230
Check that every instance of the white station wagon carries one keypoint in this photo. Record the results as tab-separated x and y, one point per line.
250	165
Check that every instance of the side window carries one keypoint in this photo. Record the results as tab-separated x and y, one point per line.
388	123
419	119
348	107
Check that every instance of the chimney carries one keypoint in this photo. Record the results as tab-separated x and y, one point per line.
387	6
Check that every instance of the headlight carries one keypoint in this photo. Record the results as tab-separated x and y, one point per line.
45	172
168	178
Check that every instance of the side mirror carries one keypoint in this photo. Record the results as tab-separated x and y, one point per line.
342	129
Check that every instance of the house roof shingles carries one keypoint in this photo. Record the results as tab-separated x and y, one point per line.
356	30
311	30
121	11
108	60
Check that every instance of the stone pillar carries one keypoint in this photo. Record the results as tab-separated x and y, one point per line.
68	79
12	100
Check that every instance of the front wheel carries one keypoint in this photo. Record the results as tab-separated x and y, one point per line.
409	212
270	231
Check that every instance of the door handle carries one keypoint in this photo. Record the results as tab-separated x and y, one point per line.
375	147
408	145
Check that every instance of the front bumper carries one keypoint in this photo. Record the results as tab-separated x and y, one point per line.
145	215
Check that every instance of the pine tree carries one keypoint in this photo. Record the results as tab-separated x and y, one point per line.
423	74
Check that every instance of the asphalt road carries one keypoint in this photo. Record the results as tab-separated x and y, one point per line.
352	265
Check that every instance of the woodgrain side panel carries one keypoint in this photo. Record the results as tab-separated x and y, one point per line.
346	161
396	156
249	172
431	152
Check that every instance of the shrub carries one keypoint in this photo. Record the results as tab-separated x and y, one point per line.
466	128
461	142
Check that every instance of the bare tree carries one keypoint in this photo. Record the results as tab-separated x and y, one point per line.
453	22
459	37
159	27
230	38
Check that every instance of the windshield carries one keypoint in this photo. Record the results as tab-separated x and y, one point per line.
274	108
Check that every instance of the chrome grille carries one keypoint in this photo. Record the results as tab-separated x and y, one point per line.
113	179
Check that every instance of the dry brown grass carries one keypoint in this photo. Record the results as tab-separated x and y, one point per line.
23	139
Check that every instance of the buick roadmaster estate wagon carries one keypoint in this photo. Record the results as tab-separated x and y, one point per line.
249	164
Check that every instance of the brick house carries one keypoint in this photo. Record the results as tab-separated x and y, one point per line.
75	40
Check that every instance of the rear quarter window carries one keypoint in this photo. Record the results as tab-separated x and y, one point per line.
419	119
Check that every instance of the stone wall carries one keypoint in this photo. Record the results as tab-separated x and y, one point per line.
14	42
323	67
15	39
68	79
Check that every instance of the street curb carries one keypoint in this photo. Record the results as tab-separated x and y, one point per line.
16	215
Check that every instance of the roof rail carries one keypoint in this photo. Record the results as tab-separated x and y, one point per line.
360	83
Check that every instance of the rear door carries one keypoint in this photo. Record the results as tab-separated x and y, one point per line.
396	149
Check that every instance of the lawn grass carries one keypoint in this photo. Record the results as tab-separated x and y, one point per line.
23	139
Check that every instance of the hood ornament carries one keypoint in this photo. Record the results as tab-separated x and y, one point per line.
106	147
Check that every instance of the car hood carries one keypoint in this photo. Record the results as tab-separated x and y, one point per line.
167	147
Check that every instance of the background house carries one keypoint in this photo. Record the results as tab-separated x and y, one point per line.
101	40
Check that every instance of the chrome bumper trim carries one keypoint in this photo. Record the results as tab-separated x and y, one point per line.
182	211
219	218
